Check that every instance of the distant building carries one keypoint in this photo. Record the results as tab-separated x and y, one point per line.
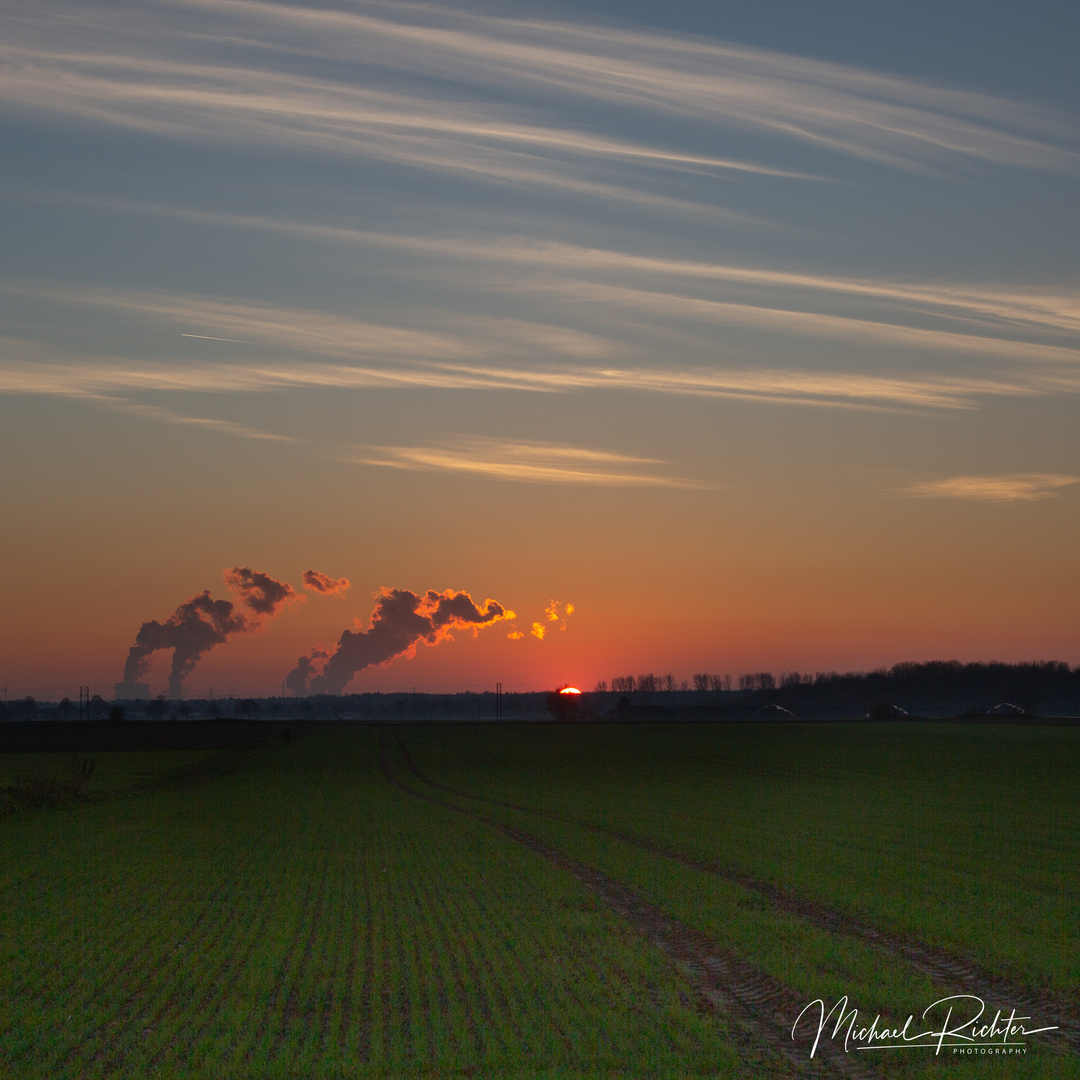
135	691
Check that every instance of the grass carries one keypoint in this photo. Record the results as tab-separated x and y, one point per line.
299	915
964	836
52	777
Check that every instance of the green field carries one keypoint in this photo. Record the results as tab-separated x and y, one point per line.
112	772
540	901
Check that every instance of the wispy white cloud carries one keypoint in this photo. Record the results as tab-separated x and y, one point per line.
1008	487
818	324
362	82
895	120
236	70
169	416
293	348
531	462
227	104
91	379
281	327
992	308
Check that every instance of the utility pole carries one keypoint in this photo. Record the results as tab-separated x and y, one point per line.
498	701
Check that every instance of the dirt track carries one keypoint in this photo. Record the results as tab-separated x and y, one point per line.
759	1009
958	973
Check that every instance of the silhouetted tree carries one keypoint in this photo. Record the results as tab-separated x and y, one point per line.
562	706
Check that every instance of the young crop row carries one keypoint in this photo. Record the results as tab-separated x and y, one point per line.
940	832
814	961
303	916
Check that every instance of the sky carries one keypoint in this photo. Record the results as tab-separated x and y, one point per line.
751	335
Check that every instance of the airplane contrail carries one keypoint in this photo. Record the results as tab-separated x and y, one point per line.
207	337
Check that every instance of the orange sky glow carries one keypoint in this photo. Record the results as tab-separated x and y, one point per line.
385	312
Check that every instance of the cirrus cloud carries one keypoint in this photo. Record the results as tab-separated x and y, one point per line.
1007	487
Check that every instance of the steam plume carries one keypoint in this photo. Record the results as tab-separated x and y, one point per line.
201	622
400	621
306	670
556	611
322	583
259	591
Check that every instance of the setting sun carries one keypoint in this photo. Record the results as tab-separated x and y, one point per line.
569	690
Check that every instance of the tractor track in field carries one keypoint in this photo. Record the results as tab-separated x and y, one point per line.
759	1008
959	973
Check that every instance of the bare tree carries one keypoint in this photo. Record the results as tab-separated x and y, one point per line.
247	708
701	681
757	680
562	706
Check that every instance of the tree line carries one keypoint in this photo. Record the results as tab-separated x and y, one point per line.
935	687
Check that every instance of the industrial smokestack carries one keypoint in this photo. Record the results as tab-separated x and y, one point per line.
201	622
400	621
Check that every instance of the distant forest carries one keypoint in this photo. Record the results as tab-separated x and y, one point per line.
938	689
